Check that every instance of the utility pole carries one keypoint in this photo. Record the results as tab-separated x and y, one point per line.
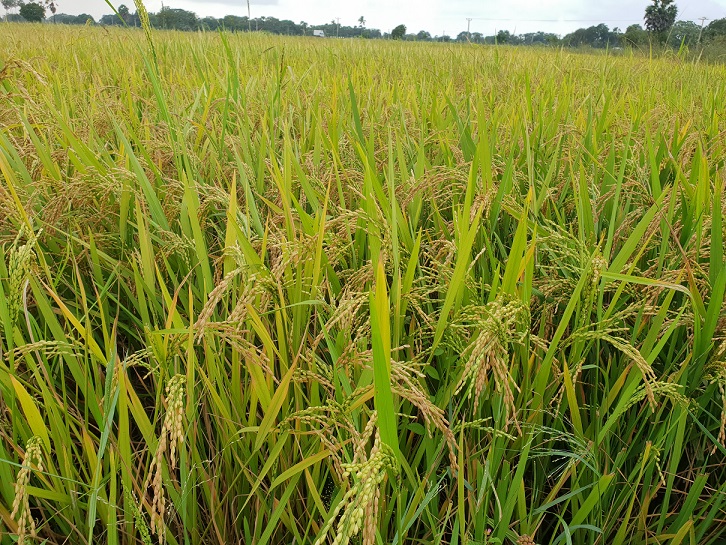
249	17
468	28
703	22
337	27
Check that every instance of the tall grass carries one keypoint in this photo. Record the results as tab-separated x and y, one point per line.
267	290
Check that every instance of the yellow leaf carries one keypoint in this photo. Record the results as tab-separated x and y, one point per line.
32	414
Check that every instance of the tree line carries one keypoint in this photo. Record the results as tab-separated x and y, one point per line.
660	26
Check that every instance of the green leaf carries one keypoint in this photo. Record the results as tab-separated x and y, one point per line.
381	340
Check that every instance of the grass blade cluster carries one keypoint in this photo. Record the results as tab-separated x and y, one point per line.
272	290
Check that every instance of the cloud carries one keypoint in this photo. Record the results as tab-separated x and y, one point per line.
205	3
436	16
219	8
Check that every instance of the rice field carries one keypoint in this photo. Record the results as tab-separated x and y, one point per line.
271	290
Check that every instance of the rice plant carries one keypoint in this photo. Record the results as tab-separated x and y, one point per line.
276	290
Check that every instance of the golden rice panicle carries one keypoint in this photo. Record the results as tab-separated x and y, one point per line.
717	375
360	444
146	25
20	262
405	378
361	502
172	436
722	428
489	351
21	506
174	415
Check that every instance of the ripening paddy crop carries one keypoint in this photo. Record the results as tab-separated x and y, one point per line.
272	290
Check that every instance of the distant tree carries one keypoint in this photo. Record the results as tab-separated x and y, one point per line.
660	17
235	23
635	35
362	21
65	19
423	36
399	32
124	14
179	19
539	38
594	36
123	11
716	28
175	18
503	37
602	37
113	20
32	12
684	33
210	23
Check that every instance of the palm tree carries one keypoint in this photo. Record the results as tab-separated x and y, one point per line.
661	16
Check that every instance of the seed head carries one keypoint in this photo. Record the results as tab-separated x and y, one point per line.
20	263
360	504
489	351
21	506
172	435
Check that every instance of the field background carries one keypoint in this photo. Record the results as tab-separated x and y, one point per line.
267	290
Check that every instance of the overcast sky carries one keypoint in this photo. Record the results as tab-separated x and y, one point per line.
435	16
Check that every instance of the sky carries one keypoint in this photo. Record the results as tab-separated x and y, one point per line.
435	16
